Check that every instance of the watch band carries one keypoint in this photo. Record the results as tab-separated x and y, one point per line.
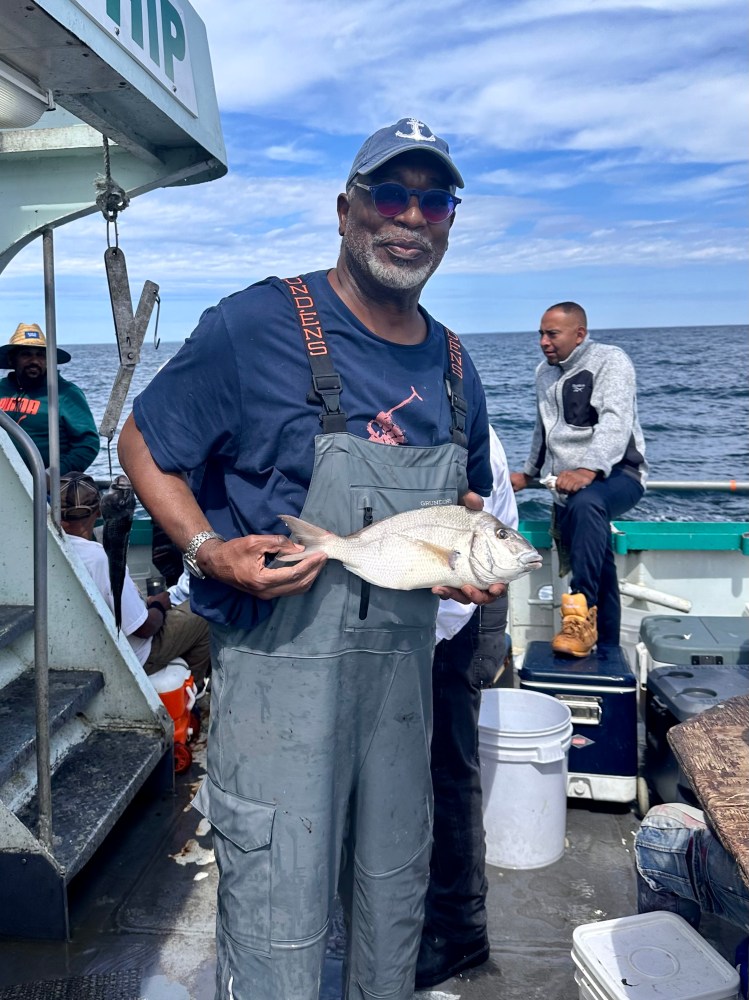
191	551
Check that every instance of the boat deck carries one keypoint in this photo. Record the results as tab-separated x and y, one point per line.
142	913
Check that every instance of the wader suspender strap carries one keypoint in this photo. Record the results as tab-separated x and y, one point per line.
326	382
326	385
454	387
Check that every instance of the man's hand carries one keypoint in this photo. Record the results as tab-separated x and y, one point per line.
519	481
468	594
471	500
162	599
471	595
241	562
572	480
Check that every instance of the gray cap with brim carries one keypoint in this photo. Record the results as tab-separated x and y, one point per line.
405	135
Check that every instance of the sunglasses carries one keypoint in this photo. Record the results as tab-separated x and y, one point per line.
390	199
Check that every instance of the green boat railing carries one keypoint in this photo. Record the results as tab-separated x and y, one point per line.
638	536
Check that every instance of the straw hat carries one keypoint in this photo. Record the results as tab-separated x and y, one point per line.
28	335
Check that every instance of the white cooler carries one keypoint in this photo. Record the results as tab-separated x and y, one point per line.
649	956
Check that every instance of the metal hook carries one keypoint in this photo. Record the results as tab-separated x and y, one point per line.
156	338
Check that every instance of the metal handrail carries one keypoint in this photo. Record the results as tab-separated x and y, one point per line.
683	485
53	402
41	645
720	486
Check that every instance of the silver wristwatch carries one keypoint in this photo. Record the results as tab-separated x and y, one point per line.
191	552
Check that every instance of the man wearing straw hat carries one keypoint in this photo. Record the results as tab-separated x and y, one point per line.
23	396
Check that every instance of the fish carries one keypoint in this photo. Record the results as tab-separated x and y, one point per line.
441	546
117	509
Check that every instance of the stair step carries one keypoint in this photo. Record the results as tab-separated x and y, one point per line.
69	692
91	789
15	619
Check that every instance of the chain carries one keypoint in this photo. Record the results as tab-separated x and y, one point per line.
112	198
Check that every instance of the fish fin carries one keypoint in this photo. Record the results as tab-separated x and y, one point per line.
303	533
449	556
279	561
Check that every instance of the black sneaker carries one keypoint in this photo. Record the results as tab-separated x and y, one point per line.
440	959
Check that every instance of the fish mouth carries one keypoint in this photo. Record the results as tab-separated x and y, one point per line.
531	560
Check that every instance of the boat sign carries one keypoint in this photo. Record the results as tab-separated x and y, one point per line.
154	33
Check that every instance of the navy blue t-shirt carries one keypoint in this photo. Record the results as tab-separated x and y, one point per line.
231	409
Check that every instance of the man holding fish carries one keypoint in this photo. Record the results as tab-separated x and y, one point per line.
336	398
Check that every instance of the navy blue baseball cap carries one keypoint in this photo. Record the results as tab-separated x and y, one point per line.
405	135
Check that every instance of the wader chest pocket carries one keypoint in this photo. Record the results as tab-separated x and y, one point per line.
370	608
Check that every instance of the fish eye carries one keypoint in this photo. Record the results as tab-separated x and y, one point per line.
501	533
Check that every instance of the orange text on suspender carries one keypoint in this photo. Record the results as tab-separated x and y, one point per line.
456	355
308	319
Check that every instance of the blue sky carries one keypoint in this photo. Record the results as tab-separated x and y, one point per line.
603	144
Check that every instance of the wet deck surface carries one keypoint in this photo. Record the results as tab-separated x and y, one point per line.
147	903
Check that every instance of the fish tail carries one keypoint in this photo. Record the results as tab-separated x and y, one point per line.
313	539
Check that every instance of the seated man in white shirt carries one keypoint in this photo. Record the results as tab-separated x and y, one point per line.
157	630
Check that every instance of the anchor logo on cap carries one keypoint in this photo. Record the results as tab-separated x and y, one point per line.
416	133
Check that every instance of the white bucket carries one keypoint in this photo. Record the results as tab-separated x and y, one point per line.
649	955
524	737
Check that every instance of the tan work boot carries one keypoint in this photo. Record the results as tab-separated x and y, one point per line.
579	633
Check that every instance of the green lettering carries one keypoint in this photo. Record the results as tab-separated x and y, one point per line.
136	18
174	37
153	31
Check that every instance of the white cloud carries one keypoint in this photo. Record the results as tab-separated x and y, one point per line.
572	120
291	153
516	75
227	236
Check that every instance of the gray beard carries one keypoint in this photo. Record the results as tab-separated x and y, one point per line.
398	275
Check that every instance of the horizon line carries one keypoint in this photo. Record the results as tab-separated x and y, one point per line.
474	333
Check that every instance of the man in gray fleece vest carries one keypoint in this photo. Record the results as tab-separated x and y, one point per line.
587	435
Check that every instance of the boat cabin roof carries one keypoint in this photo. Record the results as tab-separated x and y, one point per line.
95	68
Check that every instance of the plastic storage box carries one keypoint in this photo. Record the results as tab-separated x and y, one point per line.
649	956
675	694
692	641
601	693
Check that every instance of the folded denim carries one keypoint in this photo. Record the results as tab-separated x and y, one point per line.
683	867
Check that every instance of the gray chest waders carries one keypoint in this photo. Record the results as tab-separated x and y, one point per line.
318	755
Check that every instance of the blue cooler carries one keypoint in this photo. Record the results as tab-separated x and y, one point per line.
675	694
601	692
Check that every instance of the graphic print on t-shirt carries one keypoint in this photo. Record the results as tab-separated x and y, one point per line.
384	429
20	404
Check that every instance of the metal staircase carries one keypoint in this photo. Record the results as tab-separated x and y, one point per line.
105	727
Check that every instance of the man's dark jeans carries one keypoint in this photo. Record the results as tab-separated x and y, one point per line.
463	665
584	523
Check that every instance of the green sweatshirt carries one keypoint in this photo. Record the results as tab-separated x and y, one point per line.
79	438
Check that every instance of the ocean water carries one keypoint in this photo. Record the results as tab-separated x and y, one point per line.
693	400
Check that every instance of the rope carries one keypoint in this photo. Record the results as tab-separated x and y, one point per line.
111	198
